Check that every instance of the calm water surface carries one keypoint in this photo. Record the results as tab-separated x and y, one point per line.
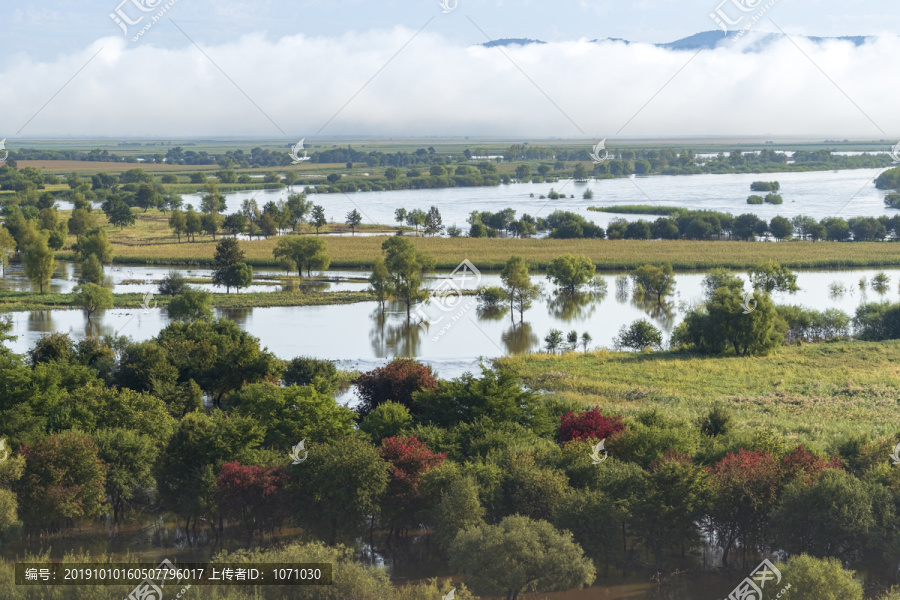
359	336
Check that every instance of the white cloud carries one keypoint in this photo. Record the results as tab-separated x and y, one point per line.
434	87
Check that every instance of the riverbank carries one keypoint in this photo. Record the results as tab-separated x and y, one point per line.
28	301
360	252
814	394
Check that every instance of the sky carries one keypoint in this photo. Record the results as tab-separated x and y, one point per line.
311	68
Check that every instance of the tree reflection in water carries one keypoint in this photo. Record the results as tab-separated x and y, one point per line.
520	339
661	312
393	336
568	306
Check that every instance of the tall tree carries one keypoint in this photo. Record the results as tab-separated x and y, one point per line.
39	260
318	217
304	252
354	219
380	281
517	282
433	221
407	267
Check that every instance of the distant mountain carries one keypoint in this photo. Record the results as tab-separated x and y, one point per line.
706	40
511	42
710	39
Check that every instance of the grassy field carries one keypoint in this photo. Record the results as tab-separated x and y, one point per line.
27	301
151	243
812	393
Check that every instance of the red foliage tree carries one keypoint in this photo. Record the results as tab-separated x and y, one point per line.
64	479
745	489
589	424
409	460
398	381
253	495
800	460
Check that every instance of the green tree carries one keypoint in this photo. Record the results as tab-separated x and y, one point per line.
293	413
595	524
517	283
303	252
724	322
298	207
416	218
218	355
212	201
407	267
191	305
818	579
829	517
656	281
120	215
519	554
231	268
211	223
640	335
380	280
433	221
771	277
666	507
193	223
7	247
178	223
95	243
91	270
318	217
458	509
91	297
570	271
388	419
354	219
340	485
172	284
185	471
129	457
64	479
39	261
400	215
781	228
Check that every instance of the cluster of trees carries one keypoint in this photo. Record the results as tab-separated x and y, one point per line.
710	225
430	221
274	219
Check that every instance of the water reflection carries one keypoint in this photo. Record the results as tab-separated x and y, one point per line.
577	306
392	335
520	339
662	311
358	335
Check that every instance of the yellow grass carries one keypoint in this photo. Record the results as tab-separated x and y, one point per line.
490	254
